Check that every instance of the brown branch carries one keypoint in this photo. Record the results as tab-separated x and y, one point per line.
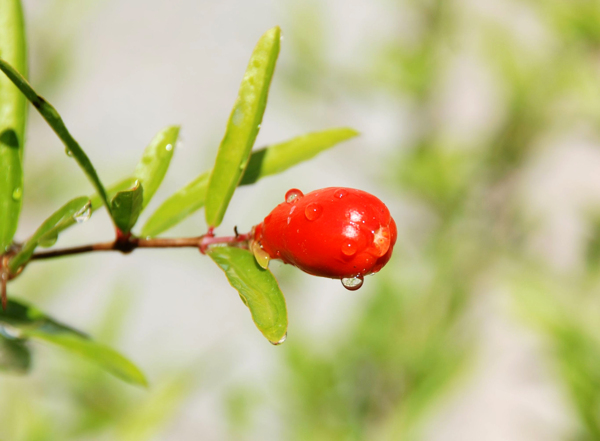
128	244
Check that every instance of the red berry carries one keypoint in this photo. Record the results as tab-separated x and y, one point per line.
340	233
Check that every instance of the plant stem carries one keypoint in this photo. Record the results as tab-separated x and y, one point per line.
131	243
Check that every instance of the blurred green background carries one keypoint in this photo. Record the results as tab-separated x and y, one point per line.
480	130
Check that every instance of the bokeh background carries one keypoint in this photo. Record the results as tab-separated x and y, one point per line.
480	130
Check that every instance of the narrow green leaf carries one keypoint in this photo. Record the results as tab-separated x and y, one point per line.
177	207
263	162
13	112
257	288
15	356
127	206
54	120
95	203
279	157
99	354
68	210
156	159
21	321
243	127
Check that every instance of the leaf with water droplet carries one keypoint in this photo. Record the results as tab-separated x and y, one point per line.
257	286
127	206
13	111
155	161
84	214
243	127
26	322
48	229
263	162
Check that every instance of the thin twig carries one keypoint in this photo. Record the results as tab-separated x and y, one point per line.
126	246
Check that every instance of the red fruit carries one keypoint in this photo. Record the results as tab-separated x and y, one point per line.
340	233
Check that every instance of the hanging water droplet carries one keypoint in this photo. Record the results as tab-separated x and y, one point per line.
68	152
169	147
353	283
84	214
275	343
261	256
350	248
293	195
258	126
313	211
340	194
17	194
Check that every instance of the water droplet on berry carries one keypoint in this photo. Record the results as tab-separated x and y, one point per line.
381	241
313	211
349	248
340	194
17	194
292	195
275	343
169	147
84	214
353	283
261	256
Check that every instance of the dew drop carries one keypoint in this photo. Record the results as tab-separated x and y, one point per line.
275	343
17	194
258	126
340	194
353	283
313	211
261	256
381	241
349	248
84	214
293	195
68	152
169	147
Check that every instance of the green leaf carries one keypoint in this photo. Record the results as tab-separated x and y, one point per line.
20	321
15	356
95	203
263	162
177	207
13	113
45	230
279	157
54	120
127	206
257	288
99	354
243	127
156	159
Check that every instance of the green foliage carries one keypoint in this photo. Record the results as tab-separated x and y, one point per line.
263	162
22	322
242	127
13	111
155	161
126	207
49	230
54	120
258	290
